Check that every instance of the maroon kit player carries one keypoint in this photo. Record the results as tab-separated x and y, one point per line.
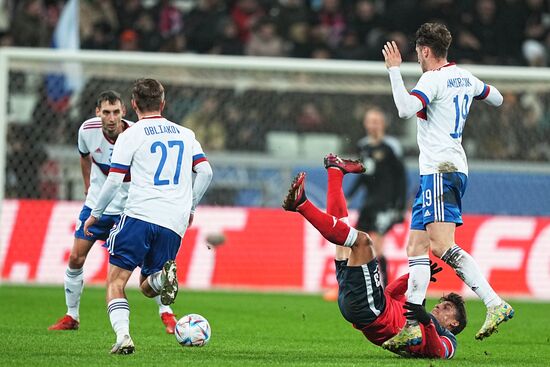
377	312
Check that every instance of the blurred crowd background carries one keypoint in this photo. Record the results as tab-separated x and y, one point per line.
503	32
486	32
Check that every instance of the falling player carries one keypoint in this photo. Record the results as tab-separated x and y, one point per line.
377	312
441	100
162	197
96	138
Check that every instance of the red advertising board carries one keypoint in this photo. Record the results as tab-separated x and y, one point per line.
271	249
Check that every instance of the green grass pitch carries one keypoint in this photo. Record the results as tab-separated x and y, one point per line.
248	329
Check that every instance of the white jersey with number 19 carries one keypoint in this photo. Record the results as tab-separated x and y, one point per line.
160	156
446	95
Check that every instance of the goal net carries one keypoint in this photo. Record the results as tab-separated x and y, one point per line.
257	118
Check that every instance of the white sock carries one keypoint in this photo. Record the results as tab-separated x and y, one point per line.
466	268
419	278
155	281
119	314
163	308
74	283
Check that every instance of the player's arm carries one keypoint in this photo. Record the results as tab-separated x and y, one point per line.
488	94
407	105
433	345
86	168
398	287
85	161
121	159
437	346
203	176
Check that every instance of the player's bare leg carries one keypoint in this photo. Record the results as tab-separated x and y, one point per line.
417	250
167	316
73	285
119	310
498	311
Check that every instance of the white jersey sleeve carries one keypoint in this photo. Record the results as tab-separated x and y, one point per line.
426	90
123	152
82	147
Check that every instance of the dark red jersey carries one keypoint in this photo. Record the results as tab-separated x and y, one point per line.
437	342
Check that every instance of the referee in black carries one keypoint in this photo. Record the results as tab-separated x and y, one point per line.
384	180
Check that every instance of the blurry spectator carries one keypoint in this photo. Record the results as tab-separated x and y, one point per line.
309	118
170	20
405	46
128	40
246	13
6	40
102	38
351	49
300	45
246	131
128	11
202	24
4	16
228	42
206	124
25	156
537	28
265	41
29	27
487	31
318	40
288	13
93	13
177	43
534	53
321	52
331	18
366	25
511	15
149	37
537	23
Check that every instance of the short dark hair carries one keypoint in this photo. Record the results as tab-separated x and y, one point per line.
148	94
458	302
108	96
436	36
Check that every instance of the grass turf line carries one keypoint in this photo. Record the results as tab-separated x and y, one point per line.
248	329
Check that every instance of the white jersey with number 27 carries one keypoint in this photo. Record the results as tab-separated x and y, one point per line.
446	95
160	156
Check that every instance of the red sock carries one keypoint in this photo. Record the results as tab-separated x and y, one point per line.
336	201
332	229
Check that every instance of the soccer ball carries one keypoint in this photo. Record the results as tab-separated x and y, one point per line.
193	331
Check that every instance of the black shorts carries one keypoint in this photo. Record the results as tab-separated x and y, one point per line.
360	292
379	221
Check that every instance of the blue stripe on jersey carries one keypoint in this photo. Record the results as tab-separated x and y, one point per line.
198	156
422	96
483	93
120	166
103	167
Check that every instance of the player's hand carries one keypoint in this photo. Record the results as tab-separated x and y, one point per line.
191	217
89	222
391	53
416	312
434	269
